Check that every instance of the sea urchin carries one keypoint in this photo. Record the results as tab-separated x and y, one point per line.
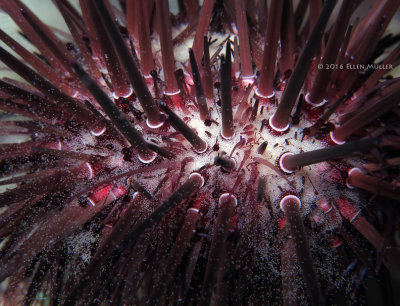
237	152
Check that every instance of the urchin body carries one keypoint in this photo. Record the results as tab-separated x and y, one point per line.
145	183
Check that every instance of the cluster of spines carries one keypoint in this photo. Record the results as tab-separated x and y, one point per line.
91	173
